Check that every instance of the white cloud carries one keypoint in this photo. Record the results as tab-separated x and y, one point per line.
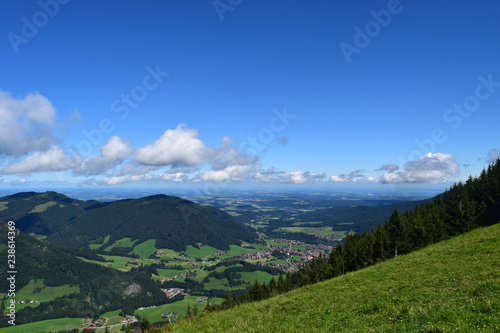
112	154
54	159
354	176
177	147
226	154
432	168
294	177
176	177
229	173
25	124
493	155
124	179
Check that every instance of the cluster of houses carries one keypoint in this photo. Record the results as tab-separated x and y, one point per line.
129	319
25	302
255	255
290	242
173	315
93	324
190	273
172	292
331	238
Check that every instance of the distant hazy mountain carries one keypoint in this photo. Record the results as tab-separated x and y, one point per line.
173	222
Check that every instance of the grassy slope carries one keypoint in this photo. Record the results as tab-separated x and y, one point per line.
52	325
453	286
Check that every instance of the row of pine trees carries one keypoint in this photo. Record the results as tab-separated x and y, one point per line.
463	207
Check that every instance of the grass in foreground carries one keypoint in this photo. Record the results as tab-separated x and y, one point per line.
52	325
453	286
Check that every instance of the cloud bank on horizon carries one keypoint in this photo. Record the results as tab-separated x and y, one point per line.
33	145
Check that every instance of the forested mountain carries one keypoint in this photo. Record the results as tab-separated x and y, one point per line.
94	289
359	218
41	213
173	222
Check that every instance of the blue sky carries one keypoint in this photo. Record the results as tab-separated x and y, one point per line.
329	93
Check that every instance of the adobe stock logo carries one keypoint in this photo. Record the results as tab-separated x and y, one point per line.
222	6
122	106
372	29
31	27
455	117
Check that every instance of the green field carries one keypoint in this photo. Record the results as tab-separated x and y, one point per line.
97	245
246	277
124	242
312	223
235	250
453	286
154	314
43	207
145	249
52	325
37	291
169	273
202	252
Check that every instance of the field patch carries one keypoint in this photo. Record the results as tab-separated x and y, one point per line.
43	207
154	314
145	249
98	244
37	291
204	251
124	242
3	205
52	325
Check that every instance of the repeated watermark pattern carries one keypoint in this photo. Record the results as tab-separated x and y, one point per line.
364	36
122	106
253	146
223	6
454	116
11	271
31	26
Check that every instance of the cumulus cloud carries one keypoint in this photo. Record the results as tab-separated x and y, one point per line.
294	177
493	155
229	173
115	180
432	168
54	159
177	147
25	124
354	176
227	154
112	154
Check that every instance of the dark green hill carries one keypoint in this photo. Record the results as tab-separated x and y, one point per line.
82	289
173	222
358	218
41	213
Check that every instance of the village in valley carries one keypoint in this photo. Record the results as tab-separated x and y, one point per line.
203	275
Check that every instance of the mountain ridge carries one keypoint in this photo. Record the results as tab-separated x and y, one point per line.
173	222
